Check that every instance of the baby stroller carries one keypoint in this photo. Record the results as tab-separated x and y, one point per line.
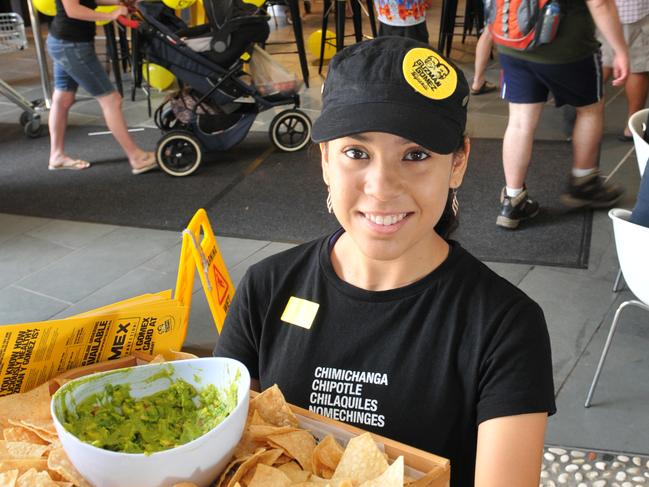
217	103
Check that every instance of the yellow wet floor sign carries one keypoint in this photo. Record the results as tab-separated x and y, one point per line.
200	251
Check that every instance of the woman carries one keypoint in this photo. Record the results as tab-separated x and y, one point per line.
386	324
70	44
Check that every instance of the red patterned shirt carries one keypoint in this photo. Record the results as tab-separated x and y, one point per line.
632	10
401	13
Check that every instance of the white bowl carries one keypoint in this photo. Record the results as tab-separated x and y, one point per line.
199	461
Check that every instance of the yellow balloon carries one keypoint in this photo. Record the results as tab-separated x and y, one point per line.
157	76
178	4
314	40
47	7
107	9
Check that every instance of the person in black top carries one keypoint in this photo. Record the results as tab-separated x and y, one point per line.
70	44
387	324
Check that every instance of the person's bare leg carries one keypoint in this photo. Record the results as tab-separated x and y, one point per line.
518	140
58	122
636	90
111	107
482	52
587	135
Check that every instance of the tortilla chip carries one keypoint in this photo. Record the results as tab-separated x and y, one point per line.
33	405
265	456
262	432
361	461
9	477
229	471
247	445
256	419
293	471
266	476
23	464
59	462
33	478
272	406
44	428
20	433
318	482
297	444
392	477
326	456
21	449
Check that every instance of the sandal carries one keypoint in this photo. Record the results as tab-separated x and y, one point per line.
70	164
150	163
485	88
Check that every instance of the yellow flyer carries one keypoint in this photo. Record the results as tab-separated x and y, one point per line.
32	353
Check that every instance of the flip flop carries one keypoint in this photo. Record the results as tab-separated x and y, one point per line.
485	88
152	164
72	165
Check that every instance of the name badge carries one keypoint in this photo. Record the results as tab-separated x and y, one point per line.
300	312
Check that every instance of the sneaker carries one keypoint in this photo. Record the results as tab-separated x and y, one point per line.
591	191
516	209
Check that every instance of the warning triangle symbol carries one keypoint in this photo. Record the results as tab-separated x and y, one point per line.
222	287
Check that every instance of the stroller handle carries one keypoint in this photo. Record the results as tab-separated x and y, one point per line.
126	22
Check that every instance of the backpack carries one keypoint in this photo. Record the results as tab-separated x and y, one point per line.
523	24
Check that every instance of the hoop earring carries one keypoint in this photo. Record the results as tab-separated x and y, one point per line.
455	204
330	207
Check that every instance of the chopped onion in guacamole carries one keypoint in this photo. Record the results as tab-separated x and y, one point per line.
114	420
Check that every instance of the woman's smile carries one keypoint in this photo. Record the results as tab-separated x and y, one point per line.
385	222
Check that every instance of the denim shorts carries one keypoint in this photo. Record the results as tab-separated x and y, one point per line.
76	64
578	83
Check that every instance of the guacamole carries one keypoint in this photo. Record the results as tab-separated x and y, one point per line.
114	420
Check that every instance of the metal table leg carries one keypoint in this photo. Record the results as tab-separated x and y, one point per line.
357	20
372	16
299	38
340	24
326	9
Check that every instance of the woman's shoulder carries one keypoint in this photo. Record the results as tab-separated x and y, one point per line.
480	280
294	257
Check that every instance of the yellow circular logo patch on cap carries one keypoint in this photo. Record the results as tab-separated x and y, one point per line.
429	74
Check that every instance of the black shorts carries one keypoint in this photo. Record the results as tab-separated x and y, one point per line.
578	83
418	32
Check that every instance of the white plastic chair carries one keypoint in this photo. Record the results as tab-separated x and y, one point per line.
632	244
637	126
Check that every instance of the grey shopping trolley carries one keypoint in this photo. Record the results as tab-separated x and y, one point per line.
12	38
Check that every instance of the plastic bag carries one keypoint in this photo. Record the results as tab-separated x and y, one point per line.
269	76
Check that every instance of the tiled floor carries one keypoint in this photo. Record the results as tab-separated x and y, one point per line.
51	268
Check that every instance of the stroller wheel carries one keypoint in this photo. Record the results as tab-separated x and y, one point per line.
25	118
290	130
179	153
33	128
166	119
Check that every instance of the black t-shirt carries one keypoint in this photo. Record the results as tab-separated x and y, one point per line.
73	30
423	364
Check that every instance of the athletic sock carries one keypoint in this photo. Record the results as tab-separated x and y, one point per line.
580	173
513	192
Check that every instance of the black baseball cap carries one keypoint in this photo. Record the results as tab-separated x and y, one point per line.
395	85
